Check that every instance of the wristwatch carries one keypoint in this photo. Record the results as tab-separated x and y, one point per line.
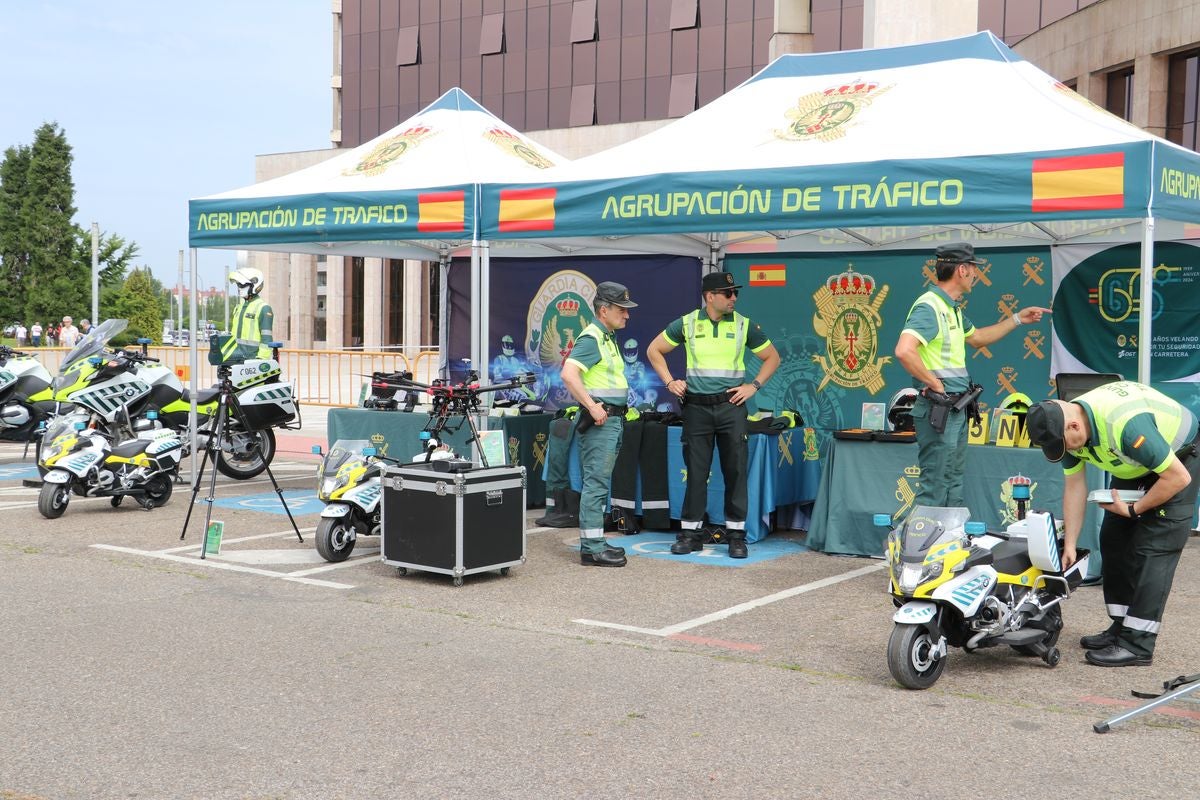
1132	514
756	384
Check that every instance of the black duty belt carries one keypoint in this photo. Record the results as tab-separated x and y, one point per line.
706	399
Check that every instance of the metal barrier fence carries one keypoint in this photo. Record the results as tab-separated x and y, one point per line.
321	377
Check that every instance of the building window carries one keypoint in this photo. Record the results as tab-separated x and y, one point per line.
491	35
1183	96
684	14
408	47
1119	99
583	21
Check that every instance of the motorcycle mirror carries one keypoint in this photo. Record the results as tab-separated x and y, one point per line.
975	528
316	449
882	521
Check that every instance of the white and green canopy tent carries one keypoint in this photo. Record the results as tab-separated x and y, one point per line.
875	149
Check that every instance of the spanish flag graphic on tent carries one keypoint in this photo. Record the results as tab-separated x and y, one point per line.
1079	183
441	212
527	210
768	275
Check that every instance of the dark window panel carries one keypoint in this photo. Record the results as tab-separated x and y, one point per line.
389	85
514	110
608	19
739	44
493	75
658	54
370	50
410	13
351	18
583	105
450	40
450	9
608	60
583	63
712	48
658	96
560	26
608	103
633	100
429	11
709	86
472	8
389	117
683	52
633	19
450	76
684	14
514	72
370	16
491	35
537	69
658	16
408	82
583	21
430	51
560	107
389	15
537	34
536	111
763	29
683	95
736	76
633	58
429	83
560	66
712	12
852	28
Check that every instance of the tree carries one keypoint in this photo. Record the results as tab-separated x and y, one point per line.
137	303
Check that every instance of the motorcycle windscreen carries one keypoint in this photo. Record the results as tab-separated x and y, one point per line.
928	526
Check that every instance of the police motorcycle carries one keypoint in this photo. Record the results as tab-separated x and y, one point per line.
956	584
85	460
26	399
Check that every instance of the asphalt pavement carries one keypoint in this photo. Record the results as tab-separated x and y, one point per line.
132	668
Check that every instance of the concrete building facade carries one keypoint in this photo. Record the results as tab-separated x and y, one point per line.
583	75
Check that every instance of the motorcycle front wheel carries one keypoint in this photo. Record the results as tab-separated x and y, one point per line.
53	499
335	538
246	459
910	657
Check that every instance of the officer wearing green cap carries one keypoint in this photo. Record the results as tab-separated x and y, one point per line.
932	348
714	393
1148	442
594	374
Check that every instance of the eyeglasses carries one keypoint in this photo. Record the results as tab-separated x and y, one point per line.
728	293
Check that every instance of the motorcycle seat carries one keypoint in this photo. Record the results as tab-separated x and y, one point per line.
130	448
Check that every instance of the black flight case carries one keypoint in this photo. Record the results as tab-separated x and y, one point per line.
453	518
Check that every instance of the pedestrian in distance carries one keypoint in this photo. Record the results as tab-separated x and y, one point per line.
714	392
1148	443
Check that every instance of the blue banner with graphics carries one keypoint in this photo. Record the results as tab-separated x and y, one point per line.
540	305
835	319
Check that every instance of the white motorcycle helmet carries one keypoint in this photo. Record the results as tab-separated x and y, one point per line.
249	281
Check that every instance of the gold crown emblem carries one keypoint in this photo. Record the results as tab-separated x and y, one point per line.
567	307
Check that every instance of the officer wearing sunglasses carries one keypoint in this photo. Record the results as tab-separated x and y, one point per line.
714	393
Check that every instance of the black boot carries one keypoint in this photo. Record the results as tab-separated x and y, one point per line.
686	542
737	544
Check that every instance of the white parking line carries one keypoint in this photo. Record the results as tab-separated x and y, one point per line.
716	616
208	562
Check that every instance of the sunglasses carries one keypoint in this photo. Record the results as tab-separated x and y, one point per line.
729	293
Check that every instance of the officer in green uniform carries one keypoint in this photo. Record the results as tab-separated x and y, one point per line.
932	347
1147	442
250	328
594	373
714	393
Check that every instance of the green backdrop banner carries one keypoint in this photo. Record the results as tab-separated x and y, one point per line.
835	319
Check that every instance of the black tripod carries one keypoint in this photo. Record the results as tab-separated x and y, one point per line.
227	403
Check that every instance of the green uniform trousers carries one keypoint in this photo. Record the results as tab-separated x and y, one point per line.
724	424
942	457
1139	559
598	447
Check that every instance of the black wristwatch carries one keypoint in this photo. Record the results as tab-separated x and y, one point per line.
1132	514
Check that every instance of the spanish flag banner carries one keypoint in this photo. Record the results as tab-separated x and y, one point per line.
768	275
441	212
527	210
1079	183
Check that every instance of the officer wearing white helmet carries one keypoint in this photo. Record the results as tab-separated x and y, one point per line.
252	320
